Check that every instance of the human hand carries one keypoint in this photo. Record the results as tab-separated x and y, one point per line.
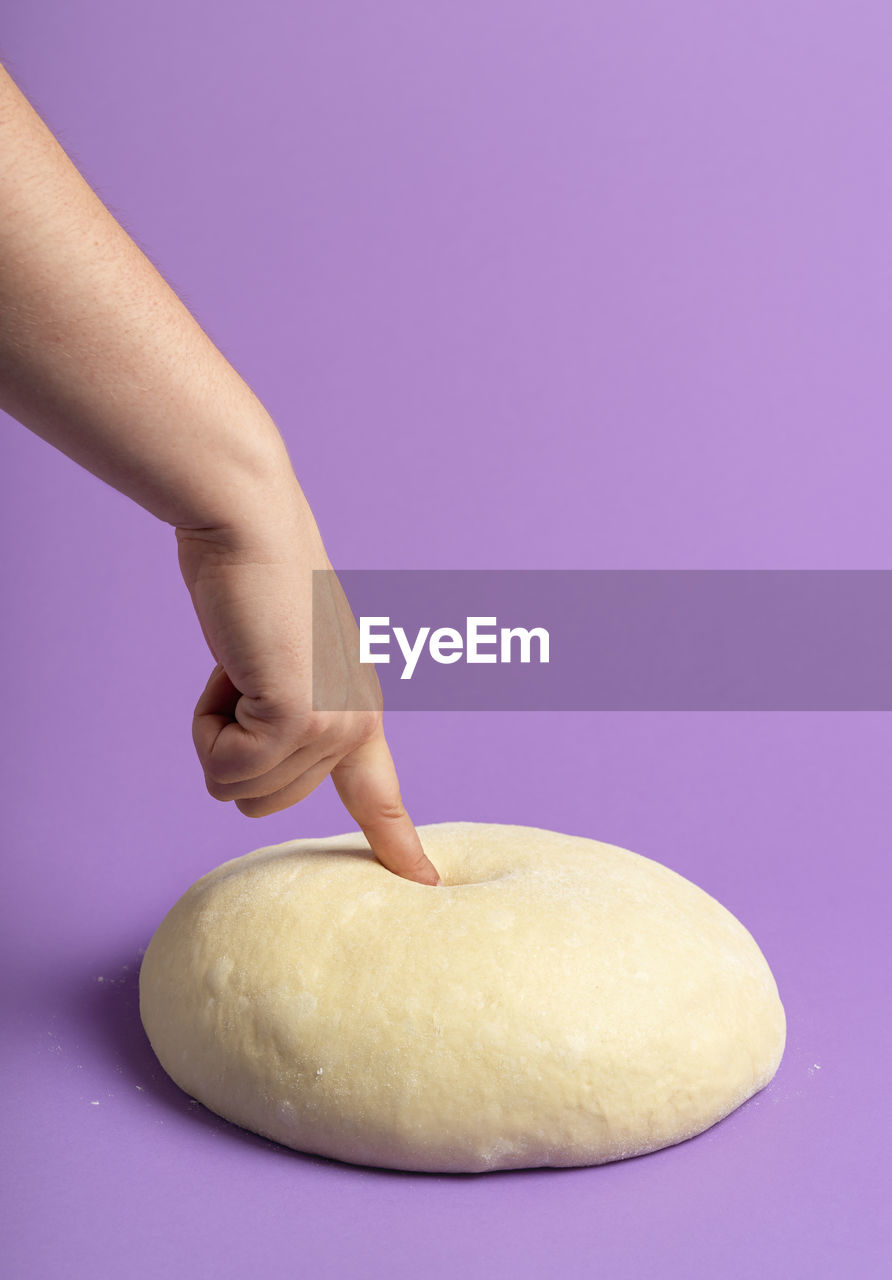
259	740
99	357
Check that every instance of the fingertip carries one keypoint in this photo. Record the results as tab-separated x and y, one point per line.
400	852
367	784
397	846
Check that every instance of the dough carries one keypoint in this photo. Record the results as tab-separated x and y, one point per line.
557	1001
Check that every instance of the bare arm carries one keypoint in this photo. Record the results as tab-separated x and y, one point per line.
99	357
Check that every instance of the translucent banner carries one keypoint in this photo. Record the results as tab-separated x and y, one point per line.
612	640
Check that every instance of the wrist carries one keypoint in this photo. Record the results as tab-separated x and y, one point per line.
241	474
262	515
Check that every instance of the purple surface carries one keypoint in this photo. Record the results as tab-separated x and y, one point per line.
524	285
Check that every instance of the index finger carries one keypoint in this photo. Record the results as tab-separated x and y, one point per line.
367	784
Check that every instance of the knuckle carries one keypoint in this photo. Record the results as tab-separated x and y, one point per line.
219	790
315	724
232	770
221	774
364	726
390	811
253	807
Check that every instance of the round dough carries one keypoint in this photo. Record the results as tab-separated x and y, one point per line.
557	1001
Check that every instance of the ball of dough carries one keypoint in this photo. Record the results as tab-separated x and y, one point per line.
557	1001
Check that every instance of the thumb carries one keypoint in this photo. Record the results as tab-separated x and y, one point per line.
367	784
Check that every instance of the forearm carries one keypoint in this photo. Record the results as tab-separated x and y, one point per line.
100	358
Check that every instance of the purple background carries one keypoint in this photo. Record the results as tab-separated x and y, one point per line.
547	285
